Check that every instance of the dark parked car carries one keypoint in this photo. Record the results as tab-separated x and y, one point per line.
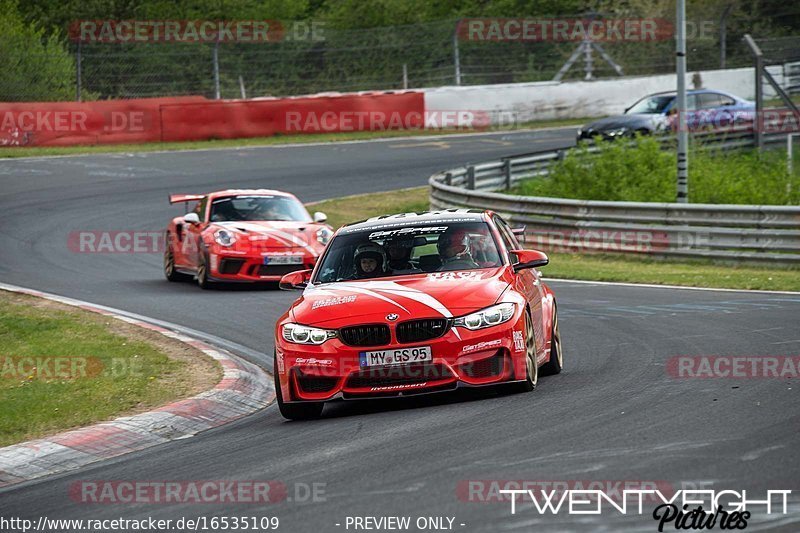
655	113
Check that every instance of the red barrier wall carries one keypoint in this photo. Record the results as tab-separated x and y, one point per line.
196	118
71	123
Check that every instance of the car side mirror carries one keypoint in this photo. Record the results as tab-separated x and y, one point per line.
524	259
191	218
320	217
295	280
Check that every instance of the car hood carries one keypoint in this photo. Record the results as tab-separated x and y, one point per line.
272	234
632	121
437	294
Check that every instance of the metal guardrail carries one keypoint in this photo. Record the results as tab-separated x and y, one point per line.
742	233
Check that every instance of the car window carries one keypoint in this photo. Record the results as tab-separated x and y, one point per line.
414	248
506	234
652	104
709	100
258	207
200	208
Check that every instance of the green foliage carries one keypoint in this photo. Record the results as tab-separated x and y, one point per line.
645	173
367	44
37	67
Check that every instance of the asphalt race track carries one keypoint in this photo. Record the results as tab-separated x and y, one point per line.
614	415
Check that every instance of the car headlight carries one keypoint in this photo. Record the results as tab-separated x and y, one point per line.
224	237
298	334
324	235
617	132
485	318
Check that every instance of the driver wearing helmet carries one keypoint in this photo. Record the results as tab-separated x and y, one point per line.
370	261
454	250
399	251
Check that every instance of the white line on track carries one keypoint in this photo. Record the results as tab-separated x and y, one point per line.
292	145
653	286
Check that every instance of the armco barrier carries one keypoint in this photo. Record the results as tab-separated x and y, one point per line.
727	232
196	118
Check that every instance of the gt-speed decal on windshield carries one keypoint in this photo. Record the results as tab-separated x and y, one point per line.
407	231
402	224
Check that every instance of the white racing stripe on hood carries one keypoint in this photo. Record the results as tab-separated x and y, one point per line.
369	287
361	290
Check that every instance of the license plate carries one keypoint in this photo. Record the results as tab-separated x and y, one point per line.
283	259
397	356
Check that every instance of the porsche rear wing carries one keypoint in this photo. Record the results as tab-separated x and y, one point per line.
179	198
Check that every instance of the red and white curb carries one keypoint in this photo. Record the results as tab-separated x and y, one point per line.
245	388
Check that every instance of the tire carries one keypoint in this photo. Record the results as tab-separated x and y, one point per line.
531	370
169	265
294	411
202	273
555	364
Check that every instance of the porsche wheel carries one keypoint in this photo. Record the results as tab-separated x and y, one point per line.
294	411
556	362
169	265
532	369
202	273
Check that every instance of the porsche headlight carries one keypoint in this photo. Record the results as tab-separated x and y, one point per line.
324	235
297	334
485	318
224	237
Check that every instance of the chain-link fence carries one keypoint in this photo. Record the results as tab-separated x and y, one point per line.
386	58
783	52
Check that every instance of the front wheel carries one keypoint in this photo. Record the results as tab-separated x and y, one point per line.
169	264
556	362
202	273
532	369
294	411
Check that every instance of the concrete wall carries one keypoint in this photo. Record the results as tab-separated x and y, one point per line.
551	100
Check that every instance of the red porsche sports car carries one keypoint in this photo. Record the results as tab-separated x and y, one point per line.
415	303
248	235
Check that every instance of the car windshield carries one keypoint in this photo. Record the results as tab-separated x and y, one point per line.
400	249
238	208
651	104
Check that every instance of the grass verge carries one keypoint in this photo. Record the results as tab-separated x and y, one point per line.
34	151
62	368
591	267
643	172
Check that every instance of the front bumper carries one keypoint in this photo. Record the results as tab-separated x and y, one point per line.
230	266
460	358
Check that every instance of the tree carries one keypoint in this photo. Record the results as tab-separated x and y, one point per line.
37	66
